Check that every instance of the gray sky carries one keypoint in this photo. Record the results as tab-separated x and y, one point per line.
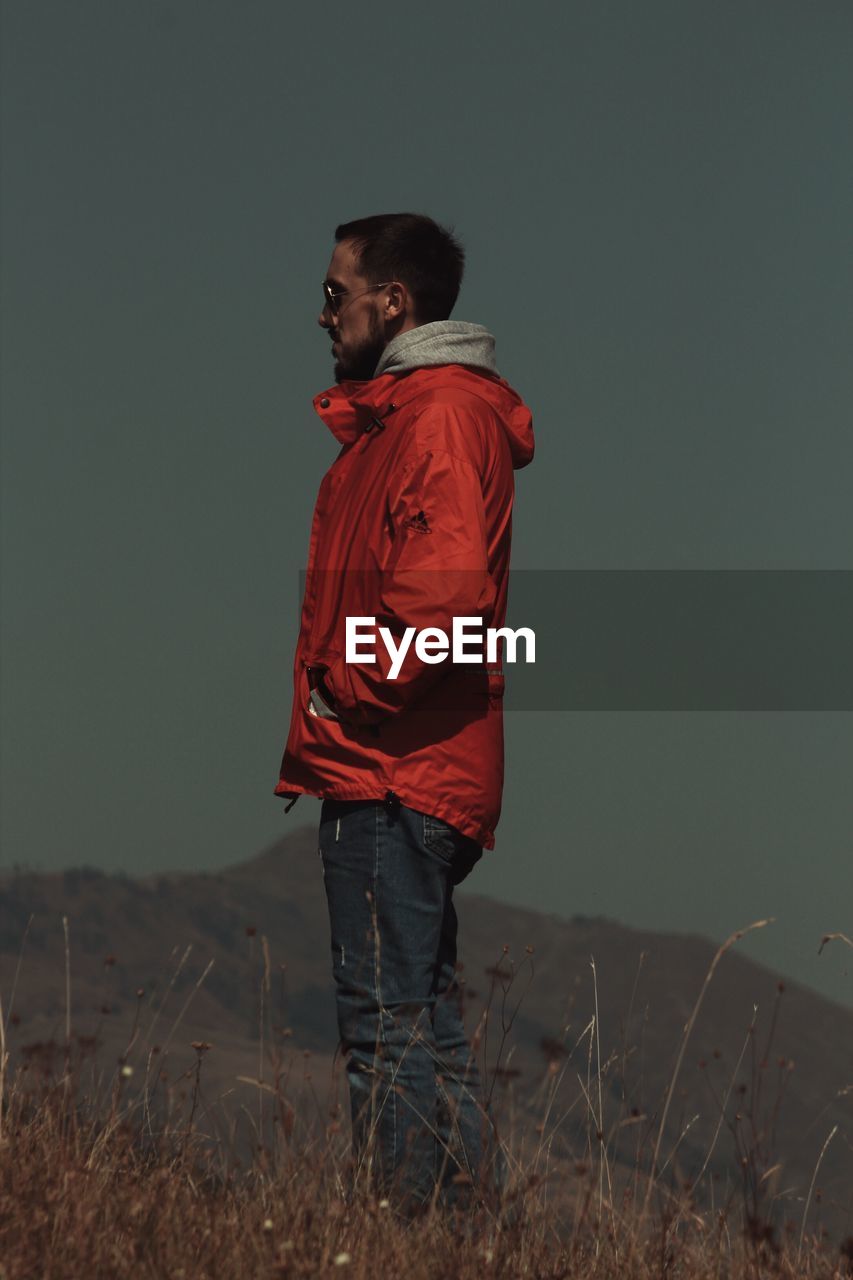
656	201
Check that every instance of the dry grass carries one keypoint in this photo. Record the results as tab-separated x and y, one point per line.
102	1176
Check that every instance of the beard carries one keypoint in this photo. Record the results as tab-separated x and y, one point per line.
357	363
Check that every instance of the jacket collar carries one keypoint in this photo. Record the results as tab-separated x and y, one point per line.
349	408
352	409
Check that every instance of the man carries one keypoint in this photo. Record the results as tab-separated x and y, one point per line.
411	529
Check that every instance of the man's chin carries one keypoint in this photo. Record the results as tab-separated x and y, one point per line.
344	374
360	364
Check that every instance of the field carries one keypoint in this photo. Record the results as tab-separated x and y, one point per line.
114	1171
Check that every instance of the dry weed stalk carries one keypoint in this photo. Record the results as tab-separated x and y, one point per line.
729	942
167	1197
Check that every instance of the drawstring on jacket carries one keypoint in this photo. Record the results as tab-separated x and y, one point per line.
376	423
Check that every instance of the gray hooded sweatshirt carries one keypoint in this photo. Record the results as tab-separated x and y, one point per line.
440	342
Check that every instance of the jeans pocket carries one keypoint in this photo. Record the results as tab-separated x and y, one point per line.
496	686
458	851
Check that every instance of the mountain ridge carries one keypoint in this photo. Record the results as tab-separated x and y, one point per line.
208	941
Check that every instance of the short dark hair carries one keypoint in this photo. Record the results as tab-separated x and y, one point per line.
411	248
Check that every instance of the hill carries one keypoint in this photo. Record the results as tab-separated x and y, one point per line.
157	963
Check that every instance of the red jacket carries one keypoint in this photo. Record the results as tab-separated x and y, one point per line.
412	526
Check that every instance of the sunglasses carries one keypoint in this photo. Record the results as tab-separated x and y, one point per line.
332	299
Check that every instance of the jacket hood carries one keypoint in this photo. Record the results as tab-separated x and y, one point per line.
446	353
441	342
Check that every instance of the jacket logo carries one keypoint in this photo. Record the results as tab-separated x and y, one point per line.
418	523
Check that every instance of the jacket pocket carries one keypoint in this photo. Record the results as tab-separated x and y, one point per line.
312	669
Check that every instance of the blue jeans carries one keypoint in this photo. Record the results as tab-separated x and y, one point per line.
418	1121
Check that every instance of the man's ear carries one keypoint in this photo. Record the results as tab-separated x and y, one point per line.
399	302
